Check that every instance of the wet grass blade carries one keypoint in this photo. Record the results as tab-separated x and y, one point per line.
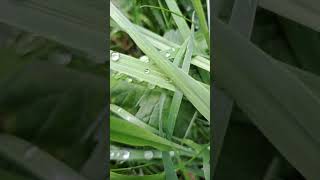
202	19
198	95
125	132
181	23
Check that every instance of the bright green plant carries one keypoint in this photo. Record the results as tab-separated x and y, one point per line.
160	98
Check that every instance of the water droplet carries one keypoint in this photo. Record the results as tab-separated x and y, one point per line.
129	80
197	27
126	155
173	49
117	155
168	54
119	110
115	56
144	59
209	148
147	71
171	153
112	154
148	155
151	86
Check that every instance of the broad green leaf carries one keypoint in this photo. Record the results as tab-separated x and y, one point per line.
197	94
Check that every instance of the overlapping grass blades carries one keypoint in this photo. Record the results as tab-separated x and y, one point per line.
282	105
197	94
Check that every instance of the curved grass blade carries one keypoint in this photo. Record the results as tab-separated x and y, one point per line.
116	176
181	23
197	5
124	132
198	95
39	163
267	104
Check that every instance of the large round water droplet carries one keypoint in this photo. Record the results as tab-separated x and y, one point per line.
147	71
171	153
115	56
145	59
126	155
148	155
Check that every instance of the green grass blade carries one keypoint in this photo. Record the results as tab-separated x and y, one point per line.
137	69
181	23
116	176
198	95
125	132
178	95
30	158
131	118
169	167
197	5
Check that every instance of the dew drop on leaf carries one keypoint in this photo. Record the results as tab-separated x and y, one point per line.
112	154
148	155
144	59
126	155
147	71
168	54
171	153
115	56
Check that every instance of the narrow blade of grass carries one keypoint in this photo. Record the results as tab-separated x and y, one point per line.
181	23
197	5
125	132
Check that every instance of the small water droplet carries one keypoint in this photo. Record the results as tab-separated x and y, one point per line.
209	148
117	155
168	54
196	27
126	155
148	155
171	153
112	154
169	80
115	56
144	59
147	71
129	80
119	110
173	49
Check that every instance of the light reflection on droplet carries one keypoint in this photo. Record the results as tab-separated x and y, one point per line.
148	155
115	56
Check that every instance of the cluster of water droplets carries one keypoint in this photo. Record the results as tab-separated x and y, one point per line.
122	155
